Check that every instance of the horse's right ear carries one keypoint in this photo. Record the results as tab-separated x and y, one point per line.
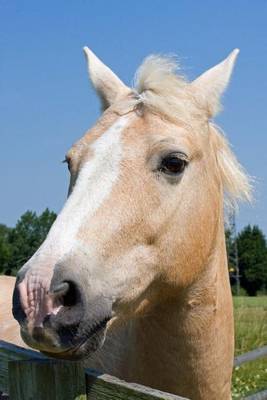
108	86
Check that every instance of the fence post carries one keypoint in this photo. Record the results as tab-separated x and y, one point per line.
46	379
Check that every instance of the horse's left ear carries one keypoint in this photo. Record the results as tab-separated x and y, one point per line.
212	83
108	86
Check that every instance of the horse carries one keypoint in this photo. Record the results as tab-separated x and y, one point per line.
133	277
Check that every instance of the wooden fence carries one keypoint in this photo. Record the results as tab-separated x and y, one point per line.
28	375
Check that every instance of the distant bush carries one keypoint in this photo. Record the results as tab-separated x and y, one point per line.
18	244
249	249
242	291
252	255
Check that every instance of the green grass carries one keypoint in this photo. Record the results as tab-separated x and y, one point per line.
250	333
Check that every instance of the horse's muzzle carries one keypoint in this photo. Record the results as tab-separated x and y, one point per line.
73	326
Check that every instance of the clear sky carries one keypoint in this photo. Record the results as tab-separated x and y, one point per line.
46	102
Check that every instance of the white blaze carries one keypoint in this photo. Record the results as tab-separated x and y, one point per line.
93	186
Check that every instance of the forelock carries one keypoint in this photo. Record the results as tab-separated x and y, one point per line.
163	89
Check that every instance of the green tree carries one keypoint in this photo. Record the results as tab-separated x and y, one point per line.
45	221
28	234
252	253
230	249
23	239
229	241
5	248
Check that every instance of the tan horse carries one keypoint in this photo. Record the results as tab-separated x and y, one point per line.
133	274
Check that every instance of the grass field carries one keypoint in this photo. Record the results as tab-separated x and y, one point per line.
250	333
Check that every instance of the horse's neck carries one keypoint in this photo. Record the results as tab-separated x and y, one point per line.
186	346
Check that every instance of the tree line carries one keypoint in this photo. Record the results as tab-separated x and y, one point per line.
247	251
18	244
247	254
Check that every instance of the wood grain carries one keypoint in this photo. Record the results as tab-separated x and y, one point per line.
27	374
46	379
107	387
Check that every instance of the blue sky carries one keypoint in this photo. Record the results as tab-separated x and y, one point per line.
46	102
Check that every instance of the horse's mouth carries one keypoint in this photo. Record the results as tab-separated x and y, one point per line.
77	348
86	346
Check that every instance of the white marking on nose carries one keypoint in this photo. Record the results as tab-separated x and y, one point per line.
93	186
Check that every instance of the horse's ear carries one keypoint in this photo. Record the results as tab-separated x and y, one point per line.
108	86
212	83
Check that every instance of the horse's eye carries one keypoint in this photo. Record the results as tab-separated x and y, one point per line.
173	165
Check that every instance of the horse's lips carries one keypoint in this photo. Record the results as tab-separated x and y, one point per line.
82	350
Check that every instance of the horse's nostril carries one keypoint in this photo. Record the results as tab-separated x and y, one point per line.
61	289
71	297
69	305
67	293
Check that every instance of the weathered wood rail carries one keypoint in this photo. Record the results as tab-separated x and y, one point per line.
252	356
27	375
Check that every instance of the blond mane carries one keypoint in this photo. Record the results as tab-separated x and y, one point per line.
162	89
236	182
